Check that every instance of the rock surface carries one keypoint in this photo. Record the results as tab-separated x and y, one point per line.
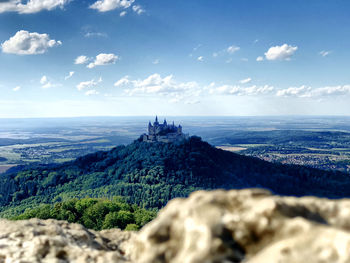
53	241
249	226
208	227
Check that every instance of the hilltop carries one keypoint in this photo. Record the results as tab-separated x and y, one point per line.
150	174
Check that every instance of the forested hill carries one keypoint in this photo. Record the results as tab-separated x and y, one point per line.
150	174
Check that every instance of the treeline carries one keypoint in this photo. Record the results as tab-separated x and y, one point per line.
93	213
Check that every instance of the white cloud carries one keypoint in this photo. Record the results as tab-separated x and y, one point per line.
95	34
232	49
108	5
71	73
241	91
302	91
46	83
43	80
245	81
81	60
260	58
26	43
200	58
100	60
283	52
91	92
325	53
123	13
103	59
31	6
308	92
156	61
122	82
155	85
17	88
331	91
257	90
88	84
138	9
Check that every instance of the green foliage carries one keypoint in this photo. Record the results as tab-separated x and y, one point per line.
93	213
151	174
132	227
121	218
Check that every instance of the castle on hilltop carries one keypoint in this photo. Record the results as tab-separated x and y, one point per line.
163	132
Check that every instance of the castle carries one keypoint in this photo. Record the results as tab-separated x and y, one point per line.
163	132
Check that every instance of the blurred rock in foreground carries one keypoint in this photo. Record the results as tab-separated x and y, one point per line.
208	227
249	226
51	241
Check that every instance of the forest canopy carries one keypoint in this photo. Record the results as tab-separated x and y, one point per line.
151	174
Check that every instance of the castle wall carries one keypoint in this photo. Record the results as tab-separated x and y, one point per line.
170	133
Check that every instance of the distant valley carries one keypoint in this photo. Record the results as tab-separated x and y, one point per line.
318	142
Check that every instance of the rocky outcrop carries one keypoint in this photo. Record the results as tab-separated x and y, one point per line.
249	226
208	227
50	241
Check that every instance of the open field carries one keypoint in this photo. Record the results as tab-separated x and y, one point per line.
231	148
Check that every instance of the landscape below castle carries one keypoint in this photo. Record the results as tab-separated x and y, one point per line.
163	132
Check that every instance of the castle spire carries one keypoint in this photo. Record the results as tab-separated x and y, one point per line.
156	118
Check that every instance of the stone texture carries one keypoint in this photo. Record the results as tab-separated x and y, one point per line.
58	241
250	226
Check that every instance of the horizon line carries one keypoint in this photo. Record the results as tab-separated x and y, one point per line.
166	116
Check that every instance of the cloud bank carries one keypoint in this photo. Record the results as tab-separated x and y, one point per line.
237	90
309	92
155	85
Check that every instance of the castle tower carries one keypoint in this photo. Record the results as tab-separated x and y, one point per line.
150	128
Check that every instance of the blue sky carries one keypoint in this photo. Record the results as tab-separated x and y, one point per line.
194	57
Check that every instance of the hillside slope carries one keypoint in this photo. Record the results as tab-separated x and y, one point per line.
151	174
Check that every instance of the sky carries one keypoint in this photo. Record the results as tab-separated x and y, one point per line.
68	58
